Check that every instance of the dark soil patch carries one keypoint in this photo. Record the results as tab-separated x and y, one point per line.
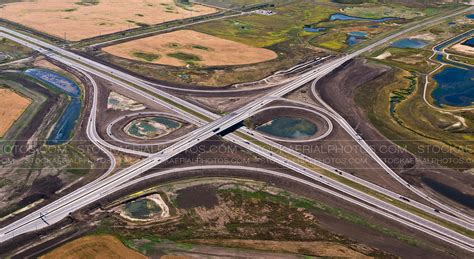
197	196
339	89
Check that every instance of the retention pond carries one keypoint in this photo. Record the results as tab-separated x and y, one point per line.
62	131
289	127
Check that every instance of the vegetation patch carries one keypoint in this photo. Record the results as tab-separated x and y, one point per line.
263	31
439	130
70	10
149	57
188	58
200	47
88	2
10	51
252	213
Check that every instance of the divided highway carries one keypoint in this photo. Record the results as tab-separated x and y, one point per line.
98	189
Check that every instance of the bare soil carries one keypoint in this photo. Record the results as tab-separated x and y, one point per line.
463	49
197	196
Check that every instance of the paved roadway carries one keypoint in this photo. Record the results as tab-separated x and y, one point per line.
319	110
291	178
467	223
156	142
96	190
348	128
147	34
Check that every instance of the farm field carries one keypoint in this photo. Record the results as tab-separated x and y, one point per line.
290	33
281	33
180	48
101	246
76	20
13	105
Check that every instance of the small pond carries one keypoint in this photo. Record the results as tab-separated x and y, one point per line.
344	17
142	209
469	42
55	80
151	127
289	127
355	37
454	87
65	124
409	44
317	29
470	16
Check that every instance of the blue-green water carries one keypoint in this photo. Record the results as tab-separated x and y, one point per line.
317	29
455	87
355	37
344	17
142	208
147	127
289	127
65	124
470	16
457	38
409	44
469	42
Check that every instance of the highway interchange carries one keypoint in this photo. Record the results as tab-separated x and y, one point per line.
96	190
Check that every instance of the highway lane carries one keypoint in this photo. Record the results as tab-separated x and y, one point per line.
220	124
348	128
305	140
243	87
156	142
92	130
288	177
276	146
455	237
342	173
148	34
262	104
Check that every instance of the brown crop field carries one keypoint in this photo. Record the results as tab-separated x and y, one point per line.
81	19
101	246
180	48
13	105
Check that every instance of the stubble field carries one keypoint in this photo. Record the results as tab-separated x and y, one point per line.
182	47
13	106
80	19
101	246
